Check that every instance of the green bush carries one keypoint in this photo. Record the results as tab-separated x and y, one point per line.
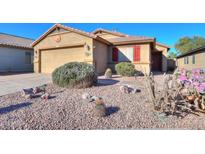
125	69
74	75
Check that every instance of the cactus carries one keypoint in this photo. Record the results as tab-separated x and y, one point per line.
100	108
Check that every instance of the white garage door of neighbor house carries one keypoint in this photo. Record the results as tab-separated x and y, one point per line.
125	54
13	60
51	59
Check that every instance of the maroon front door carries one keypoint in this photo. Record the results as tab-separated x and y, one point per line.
156	61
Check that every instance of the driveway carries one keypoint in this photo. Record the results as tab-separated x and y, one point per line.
14	83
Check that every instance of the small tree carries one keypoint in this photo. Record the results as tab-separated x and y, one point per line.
186	44
172	55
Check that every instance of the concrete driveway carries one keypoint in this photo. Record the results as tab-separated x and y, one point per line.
13	83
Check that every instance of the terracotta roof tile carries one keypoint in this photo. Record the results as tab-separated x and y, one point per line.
108	31
15	41
129	38
160	44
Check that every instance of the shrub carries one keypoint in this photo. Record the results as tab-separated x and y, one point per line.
74	75
108	73
125	69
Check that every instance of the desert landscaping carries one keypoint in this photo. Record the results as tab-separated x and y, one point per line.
67	110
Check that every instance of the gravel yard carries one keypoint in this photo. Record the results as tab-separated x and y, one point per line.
67	110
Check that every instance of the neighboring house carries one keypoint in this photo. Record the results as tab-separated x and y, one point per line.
103	48
16	54
192	59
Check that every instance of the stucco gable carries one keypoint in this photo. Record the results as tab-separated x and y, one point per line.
57	31
60	27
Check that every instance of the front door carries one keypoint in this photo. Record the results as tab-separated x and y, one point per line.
157	61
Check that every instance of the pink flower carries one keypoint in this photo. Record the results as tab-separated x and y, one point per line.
183	78
195	83
201	87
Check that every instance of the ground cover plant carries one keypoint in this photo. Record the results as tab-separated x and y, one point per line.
125	69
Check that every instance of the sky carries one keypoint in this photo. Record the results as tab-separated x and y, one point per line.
167	33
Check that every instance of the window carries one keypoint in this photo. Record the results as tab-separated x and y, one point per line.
125	54
186	60
193	59
28	57
115	54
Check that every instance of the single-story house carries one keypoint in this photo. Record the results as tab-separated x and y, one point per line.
16	53
192	59
102	48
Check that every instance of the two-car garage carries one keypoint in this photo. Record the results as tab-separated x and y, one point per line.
53	58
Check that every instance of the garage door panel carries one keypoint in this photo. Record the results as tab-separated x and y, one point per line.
51	59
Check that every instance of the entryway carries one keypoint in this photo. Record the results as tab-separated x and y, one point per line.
156	63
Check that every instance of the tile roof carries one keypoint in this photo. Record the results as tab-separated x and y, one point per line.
123	39
163	45
15	41
108	31
130	38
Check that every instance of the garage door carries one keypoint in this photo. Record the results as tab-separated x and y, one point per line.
51	59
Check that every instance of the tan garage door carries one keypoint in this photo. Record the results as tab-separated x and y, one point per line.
51	59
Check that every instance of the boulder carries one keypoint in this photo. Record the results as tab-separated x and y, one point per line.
86	96
45	96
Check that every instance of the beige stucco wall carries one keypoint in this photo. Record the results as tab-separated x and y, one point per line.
164	56
67	38
199	61
100	56
143	65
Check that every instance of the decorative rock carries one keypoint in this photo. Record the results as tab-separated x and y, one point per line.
27	93
94	98
36	90
108	73
28	96
124	89
45	96
86	96
127	89
40	89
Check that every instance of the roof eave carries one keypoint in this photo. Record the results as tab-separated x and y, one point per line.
162	45
134	41
44	35
15	46
110	32
103	40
